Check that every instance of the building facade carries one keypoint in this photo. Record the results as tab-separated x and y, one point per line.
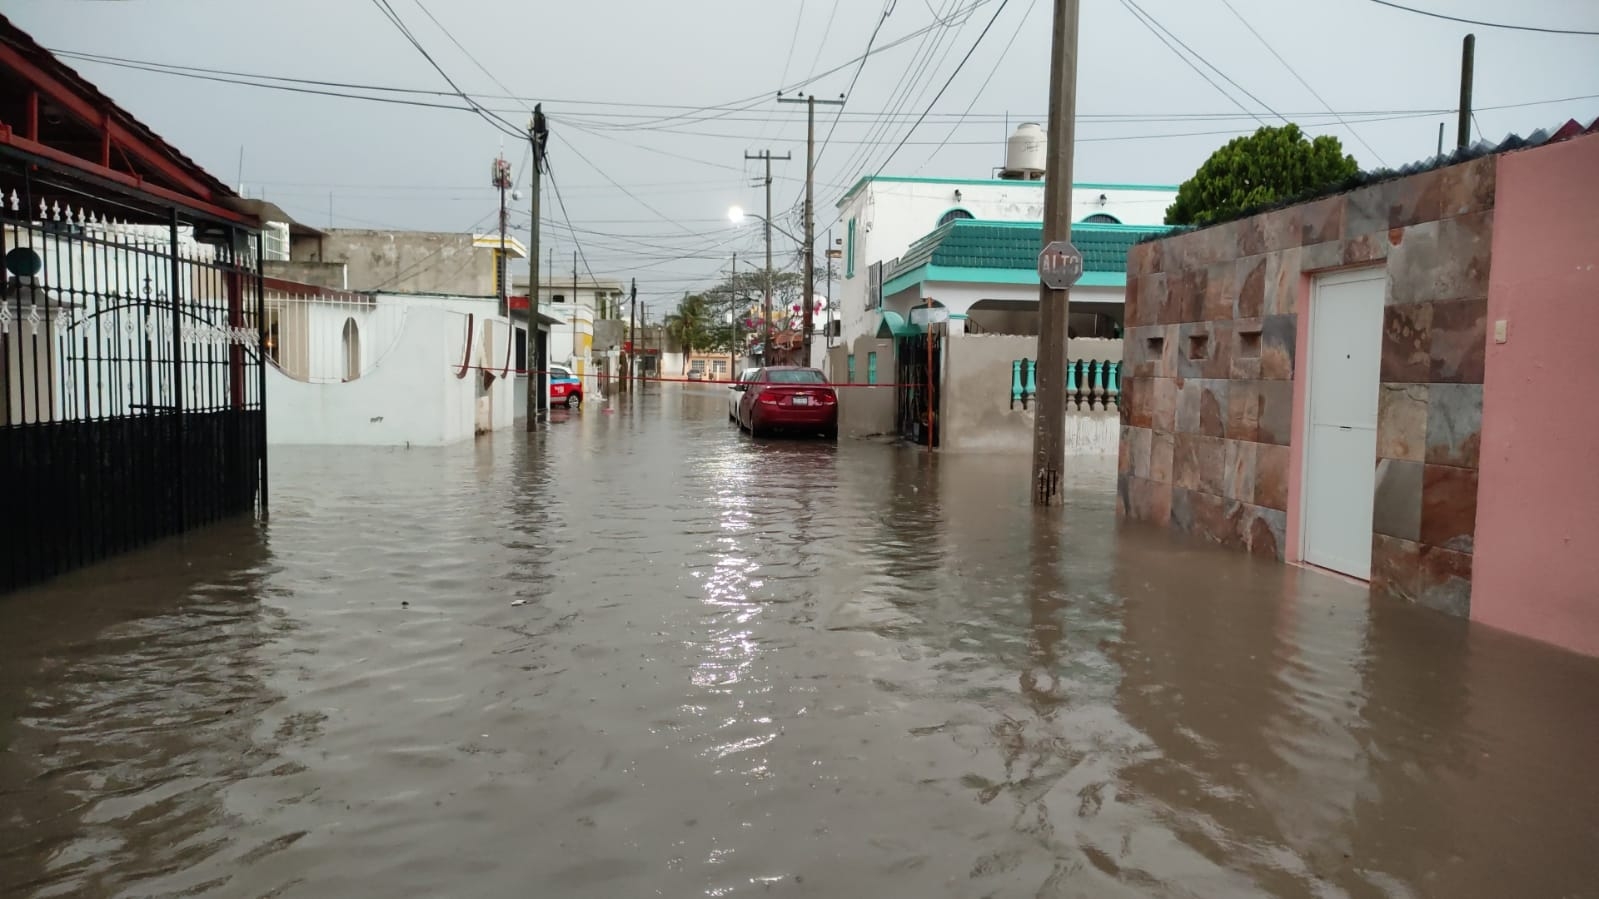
882	217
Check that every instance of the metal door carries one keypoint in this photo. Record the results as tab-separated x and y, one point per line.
919	359
1341	433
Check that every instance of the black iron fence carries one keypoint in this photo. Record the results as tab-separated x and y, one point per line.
919	359
131	379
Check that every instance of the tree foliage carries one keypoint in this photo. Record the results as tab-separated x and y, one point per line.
1270	165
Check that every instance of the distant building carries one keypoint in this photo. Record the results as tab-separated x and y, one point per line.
580	303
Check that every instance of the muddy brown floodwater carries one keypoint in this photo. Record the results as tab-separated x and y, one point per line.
641	655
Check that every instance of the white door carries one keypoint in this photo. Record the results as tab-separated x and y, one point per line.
1341	447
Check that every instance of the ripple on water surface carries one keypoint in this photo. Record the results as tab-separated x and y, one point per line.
640	654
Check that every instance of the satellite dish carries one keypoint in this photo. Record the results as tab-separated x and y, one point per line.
24	262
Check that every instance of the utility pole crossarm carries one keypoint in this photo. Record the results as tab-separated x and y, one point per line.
766	305
808	301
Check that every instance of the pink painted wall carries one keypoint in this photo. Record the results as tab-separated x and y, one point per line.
1536	570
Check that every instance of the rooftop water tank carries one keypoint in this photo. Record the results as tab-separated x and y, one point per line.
1024	153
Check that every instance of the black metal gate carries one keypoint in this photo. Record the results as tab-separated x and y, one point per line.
132	391
919	359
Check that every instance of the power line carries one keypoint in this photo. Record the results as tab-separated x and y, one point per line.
496	121
458	45
1020	24
850	91
900	97
1439	15
568	118
1303	82
947	82
1153	24
635	197
825	32
556	187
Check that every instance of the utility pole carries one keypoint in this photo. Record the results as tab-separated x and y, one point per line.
732	313
829	254
538	397
766	306
632	335
810	102
1054	306
502	181
574	316
1468	52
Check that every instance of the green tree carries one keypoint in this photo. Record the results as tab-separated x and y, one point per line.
687	326
1270	165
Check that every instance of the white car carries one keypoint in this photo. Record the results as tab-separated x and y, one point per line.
734	394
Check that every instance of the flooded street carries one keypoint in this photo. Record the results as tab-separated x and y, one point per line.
640	655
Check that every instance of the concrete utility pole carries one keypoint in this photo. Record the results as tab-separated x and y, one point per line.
538	397
1468	53
632	335
766	306
810	102
732	313
1054	306
574	313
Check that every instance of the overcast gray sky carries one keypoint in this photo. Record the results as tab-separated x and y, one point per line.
624	82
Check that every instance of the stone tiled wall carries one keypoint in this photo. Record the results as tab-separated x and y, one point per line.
1212	343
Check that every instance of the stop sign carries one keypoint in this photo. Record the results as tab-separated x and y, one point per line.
1060	265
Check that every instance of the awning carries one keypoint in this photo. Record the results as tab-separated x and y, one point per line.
894	325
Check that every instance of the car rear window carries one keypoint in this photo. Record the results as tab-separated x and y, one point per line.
796	376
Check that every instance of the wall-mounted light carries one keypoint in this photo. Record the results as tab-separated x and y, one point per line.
1103	199
957	195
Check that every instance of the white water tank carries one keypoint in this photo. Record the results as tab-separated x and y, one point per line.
1024	153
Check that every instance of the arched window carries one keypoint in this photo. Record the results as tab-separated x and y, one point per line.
1100	218
954	215
352	350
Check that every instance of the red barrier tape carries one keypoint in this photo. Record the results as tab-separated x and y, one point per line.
496	370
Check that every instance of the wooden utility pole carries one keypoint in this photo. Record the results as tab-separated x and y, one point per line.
538	396
632	335
1054	306
810	102
766	305
1468	52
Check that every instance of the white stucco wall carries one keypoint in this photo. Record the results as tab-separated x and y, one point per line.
891	215
411	397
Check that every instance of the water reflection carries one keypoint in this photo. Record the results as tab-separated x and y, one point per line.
131	698
638	653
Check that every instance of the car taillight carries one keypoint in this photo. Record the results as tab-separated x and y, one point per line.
768	397
828	397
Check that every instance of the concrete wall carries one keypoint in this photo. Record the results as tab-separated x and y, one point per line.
864	410
411	397
332	275
406	261
1535	570
1213	445
977	412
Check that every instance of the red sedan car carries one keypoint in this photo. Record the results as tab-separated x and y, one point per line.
788	398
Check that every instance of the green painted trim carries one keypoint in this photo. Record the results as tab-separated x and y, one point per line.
970	275
911	278
896	326
951	274
902	179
